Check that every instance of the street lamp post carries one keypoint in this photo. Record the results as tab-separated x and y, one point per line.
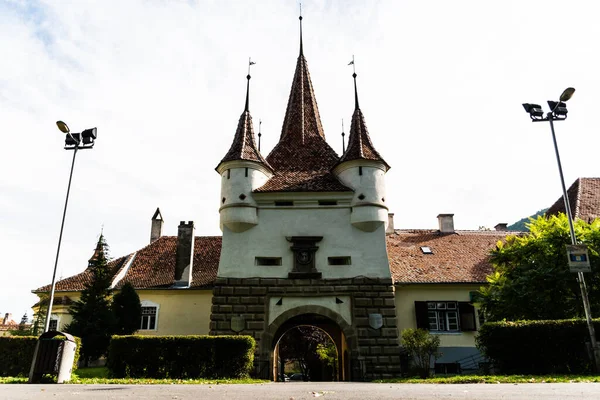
73	141
559	113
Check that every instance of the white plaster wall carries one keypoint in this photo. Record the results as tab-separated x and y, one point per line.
238	183
289	303
268	239
371	184
243	216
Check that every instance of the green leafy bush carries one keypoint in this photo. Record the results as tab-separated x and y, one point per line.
422	347
537	347
181	357
16	354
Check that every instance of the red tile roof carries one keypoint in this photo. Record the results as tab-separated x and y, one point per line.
77	282
584	199
302	159
360	146
460	257
154	266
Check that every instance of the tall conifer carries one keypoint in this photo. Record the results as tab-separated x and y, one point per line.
93	319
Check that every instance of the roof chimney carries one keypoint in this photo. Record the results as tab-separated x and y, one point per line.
184	261
446	222
502	226
390	227
157	223
7	318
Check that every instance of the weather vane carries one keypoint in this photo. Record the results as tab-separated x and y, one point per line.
343	139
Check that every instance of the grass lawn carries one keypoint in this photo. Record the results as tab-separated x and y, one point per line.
100	375
498	379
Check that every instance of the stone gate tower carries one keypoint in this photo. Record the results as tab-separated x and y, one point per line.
304	239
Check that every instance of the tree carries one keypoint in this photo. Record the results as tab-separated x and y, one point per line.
531	278
127	310
93	320
40	317
422	346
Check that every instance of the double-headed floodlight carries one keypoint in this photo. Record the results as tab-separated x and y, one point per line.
73	141
558	109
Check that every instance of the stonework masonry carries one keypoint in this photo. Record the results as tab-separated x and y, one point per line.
374	353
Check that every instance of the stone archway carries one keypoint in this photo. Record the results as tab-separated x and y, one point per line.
340	331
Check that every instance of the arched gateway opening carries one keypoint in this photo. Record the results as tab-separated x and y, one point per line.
336	328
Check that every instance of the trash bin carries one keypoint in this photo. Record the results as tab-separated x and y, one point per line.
53	356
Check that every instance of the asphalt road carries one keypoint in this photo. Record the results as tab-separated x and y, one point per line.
306	390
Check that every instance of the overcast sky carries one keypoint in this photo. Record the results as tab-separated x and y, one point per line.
440	84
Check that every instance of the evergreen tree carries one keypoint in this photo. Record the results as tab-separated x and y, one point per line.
93	319
40	317
127	309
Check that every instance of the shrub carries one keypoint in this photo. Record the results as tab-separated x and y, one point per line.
181	357
16	354
422	347
537	347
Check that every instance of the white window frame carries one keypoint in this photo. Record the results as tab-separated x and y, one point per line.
148	303
440	315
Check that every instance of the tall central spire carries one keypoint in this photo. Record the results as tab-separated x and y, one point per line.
302	160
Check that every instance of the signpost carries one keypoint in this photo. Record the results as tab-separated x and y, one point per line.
579	260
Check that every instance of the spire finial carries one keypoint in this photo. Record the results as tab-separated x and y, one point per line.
343	138
300	18
250	62
259	134
354	76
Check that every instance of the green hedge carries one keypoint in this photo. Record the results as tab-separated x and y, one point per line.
537	347
16	354
181	357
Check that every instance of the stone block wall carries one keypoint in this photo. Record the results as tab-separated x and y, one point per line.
374	353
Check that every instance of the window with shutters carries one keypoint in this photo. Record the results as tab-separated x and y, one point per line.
445	316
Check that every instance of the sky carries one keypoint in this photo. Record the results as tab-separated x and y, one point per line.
440	84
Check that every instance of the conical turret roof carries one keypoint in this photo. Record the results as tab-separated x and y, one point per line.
244	145
360	146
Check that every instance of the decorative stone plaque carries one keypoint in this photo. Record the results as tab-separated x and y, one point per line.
375	321
238	323
304	248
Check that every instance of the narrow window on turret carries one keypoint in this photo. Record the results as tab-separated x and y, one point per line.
339	261
267	261
327	203
246	172
360	170
284	203
228	173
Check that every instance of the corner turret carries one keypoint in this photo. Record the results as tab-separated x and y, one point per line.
363	169
242	170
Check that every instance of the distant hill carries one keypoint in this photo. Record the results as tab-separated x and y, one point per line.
520	224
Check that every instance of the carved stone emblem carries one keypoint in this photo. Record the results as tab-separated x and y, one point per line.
304	248
238	323
375	321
